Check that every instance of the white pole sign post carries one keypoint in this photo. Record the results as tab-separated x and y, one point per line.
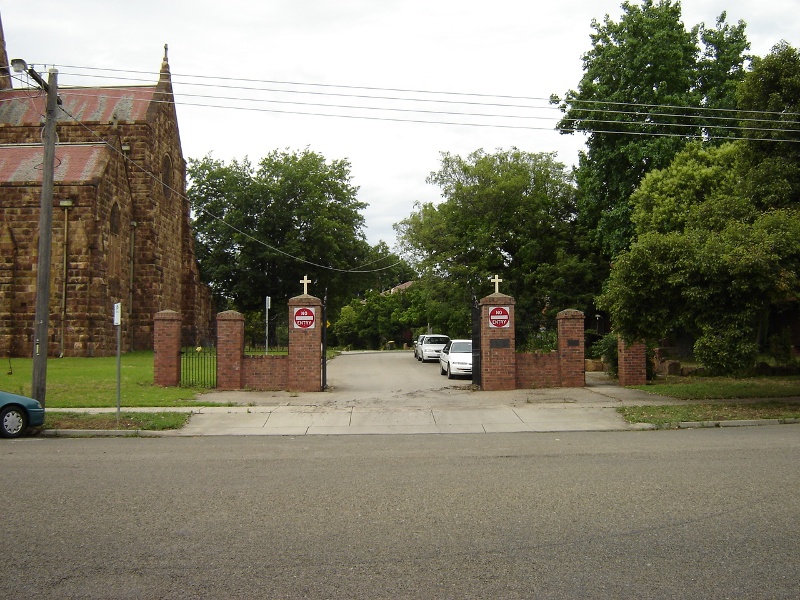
117	323
268	302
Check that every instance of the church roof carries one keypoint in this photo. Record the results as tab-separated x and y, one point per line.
75	163
20	107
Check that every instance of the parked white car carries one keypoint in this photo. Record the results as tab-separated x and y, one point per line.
429	346
456	358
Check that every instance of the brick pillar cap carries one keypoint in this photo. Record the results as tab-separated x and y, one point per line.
570	313
305	299
498	299
167	314
230	315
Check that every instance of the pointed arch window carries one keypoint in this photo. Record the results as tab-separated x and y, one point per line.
114	219
166	175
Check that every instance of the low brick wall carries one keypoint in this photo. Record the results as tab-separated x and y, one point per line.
538	370
265	372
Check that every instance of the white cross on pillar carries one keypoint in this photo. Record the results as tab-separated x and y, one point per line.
496	281
305	281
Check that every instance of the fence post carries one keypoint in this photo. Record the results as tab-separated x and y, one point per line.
167	349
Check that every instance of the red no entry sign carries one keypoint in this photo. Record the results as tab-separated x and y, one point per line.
499	317
304	318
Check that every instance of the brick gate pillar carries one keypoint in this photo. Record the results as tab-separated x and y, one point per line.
167	349
632	368
571	344
305	343
230	350
498	343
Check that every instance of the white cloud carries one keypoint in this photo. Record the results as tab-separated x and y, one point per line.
509	47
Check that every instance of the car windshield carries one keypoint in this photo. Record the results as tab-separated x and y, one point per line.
436	340
461	347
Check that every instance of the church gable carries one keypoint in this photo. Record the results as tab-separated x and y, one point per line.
120	218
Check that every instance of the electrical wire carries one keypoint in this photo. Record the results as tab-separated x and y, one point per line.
687	112
158	180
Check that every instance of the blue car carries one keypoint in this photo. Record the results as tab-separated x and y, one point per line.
17	413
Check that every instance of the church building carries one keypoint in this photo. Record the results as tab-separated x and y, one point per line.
121	219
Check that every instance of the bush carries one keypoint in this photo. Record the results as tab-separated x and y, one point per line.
725	351
543	341
606	349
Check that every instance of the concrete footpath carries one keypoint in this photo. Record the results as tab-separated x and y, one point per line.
452	409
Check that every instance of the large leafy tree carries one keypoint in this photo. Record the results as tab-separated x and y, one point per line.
718	246
644	79
707	260
260	229
510	213
769	99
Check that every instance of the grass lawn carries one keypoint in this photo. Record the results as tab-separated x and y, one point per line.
718	399
671	415
724	388
159	421
92	382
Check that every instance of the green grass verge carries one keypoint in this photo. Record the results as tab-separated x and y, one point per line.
92	383
671	415
160	421
724	388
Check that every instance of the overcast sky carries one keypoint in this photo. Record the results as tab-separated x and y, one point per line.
475	55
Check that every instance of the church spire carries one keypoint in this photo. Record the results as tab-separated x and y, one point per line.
165	74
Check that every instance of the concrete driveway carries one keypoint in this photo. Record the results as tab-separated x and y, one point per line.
392	393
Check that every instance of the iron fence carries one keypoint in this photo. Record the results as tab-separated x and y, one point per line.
199	366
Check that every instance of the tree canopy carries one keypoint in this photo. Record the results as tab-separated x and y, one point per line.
644	80
261	229
510	212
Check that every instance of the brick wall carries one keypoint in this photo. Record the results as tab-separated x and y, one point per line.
632	368
265	372
300	371
538	370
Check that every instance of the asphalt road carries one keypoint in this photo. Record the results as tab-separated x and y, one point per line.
710	513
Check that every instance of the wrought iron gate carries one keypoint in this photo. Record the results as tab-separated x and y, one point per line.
198	360
476	342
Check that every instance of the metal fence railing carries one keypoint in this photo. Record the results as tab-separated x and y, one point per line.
199	367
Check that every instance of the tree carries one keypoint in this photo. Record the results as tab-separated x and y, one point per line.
643	80
706	259
769	99
510	213
261	229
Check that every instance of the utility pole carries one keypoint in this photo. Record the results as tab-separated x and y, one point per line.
42	316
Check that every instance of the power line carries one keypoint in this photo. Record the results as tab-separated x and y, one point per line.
637	116
158	180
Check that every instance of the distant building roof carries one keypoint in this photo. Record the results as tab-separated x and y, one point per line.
75	163
401	287
21	107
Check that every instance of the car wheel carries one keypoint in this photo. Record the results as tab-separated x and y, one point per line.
449	374
12	422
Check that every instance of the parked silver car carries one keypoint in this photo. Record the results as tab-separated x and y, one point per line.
429	346
456	358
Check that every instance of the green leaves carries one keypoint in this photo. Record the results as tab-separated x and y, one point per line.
512	213
644	78
260	229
